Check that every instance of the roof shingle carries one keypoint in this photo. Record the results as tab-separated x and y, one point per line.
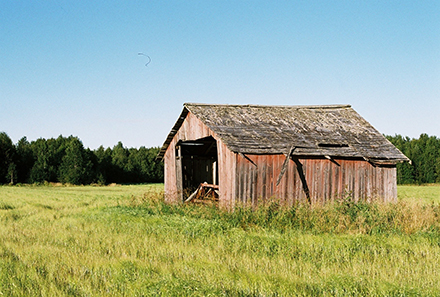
321	130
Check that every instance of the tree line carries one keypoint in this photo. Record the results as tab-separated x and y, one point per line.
424	154
65	160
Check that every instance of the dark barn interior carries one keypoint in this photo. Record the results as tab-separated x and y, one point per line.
199	162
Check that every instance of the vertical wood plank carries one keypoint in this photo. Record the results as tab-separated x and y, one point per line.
240	180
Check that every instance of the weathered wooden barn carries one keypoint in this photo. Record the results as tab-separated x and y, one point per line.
291	153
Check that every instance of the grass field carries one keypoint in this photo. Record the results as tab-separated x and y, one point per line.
420	194
123	241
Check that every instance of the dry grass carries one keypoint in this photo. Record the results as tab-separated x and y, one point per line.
123	241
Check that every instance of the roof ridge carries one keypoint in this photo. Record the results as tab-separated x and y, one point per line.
271	106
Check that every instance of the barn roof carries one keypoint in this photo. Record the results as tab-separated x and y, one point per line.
321	130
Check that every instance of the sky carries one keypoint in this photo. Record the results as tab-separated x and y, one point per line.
74	68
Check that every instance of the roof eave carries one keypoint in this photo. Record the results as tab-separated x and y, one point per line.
172	133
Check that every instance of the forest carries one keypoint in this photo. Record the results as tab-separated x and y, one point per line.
424	154
65	160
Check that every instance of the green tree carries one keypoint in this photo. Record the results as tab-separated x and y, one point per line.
119	162
76	166
152	167
437	163
424	153
12	173
103	165
142	165
25	160
429	157
7	159
48	155
40	168
405	171
65	159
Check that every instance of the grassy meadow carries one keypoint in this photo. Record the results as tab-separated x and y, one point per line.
124	241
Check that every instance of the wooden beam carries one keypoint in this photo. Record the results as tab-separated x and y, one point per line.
247	158
299	168
332	160
200	191
192	195
179	173
285	164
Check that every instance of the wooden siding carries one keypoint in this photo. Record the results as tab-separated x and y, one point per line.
326	180
252	177
192	129
171	193
226	176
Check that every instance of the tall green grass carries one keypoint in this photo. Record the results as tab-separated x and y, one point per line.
344	216
124	241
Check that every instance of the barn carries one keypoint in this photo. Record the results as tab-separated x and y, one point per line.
251	153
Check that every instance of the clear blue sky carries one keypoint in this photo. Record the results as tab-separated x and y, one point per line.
72	67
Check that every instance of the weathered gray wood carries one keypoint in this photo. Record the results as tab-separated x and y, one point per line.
286	162
179	179
256	129
201	191
332	144
194	194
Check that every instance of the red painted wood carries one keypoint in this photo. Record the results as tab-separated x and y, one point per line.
241	181
326	180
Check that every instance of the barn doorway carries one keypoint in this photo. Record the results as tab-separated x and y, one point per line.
199	164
